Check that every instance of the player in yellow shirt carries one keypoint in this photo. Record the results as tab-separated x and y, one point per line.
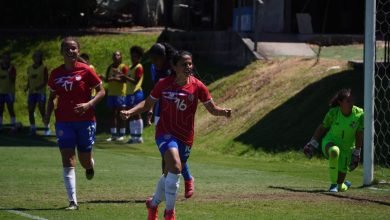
135	94
342	138
116	99
7	88
37	76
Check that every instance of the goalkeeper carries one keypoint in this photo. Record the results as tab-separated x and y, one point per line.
342	138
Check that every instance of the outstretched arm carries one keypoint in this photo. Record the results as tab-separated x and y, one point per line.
216	110
138	109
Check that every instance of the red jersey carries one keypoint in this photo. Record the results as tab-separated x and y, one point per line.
178	105
73	87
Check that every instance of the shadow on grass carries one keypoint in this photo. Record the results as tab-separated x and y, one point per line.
290	125
21	138
113	201
337	195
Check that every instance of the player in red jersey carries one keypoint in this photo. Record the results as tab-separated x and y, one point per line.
71	84
179	95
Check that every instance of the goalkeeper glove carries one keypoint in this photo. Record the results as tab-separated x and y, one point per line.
355	159
309	148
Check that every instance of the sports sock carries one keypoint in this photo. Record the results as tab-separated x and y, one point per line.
171	187
139	128
333	153
70	183
132	128
113	131
186	172
159	195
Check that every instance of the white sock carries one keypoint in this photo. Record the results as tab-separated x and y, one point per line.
139	127
132	128
13	120
171	187
113	131
70	183
159	195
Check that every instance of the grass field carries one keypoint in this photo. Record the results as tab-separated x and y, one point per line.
246	167
227	187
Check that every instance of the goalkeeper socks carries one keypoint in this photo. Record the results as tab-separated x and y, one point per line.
334	153
186	172
171	187
159	195
70	183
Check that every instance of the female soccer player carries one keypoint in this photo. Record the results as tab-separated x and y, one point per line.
116	99
161	55
7	88
71	84
343	141
135	94
37	76
179	95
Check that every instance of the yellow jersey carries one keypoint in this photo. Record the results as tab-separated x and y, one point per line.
6	85
135	72
36	77
116	88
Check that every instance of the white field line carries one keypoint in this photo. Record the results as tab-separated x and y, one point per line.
24	214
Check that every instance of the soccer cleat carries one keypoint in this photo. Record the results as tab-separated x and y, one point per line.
169	214
189	188
112	138
333	188
135	141
47	132
120	138
152	210
72	206
89	173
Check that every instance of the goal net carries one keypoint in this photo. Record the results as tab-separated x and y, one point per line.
381	100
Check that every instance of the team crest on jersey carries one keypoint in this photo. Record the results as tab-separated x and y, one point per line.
191	97
65	82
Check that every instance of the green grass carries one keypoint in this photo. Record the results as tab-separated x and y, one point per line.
227	187
246	167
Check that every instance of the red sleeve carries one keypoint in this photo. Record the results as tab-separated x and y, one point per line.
139	72
156	92
203	94
125	69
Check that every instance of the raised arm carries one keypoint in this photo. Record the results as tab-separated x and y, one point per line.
216	110
139	108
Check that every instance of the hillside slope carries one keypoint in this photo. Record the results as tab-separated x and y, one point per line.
276	104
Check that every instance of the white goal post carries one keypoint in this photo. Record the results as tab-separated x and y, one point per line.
369	93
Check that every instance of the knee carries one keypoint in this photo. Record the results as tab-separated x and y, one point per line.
334	152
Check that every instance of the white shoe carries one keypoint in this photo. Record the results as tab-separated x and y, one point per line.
121	138
47	132
112	138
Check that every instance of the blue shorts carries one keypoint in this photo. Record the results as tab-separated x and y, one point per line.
36	98
133	99
76	134
167	141
7	98
116	101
